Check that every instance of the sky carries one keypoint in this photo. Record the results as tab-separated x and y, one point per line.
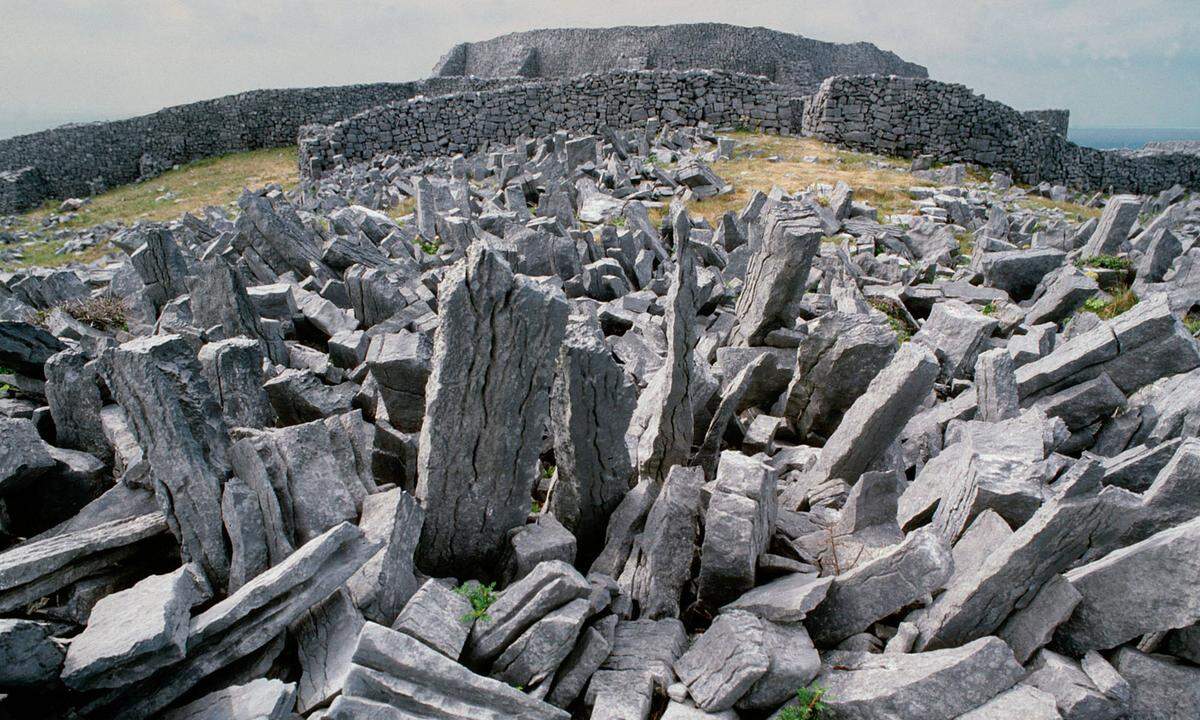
1113	63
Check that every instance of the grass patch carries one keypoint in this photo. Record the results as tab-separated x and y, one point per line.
1122	299
481	598
1107	262
898	323
886	190
989	309
809	705
1073	211
106	313
407	206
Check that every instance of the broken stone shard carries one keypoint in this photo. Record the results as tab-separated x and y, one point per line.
778	270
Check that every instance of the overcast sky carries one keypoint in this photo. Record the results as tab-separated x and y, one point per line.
1133	63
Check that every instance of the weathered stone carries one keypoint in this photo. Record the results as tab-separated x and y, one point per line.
877	417
299	396
394	676
400	364
550	586
234	371
29	657
438	617
591	404
539	541
1075	518
135	632
1022	702
725	661
247	532
1018	272
480	439
590	651
24	456
996	387
179	425
531	660
1065	291
1032	626
1172	499
638	669
262	699
326	636
955	332
385	583
1161	688
662	427
223	310
161	265
39	568
1074	694
1135	590
738	525
835	364
787	600
26	348
939	685
73	393
874	590
778	270
792	663
660	562
1120	213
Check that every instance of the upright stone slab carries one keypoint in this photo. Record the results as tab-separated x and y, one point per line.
778	271
660	562
738	526
1120	213
234	371
591	404
161	265
73	394
486	408
179	425
996	386
663	426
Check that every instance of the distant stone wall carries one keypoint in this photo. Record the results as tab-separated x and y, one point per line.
793	61
909	116
77	160
463	122
1060	120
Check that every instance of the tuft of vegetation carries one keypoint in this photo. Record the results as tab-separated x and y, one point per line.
966	243
535	507
989	309
809	705
429	248
1120	301
106	313
897	321
481	598
1192	323
1107	262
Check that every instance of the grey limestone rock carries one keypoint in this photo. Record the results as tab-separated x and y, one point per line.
73	393
29	657
24	456
480	440
786	600
385	583
247	531
955	332
1120	213
400	364
234	371
725	661
437	616
262	699
792	662
1074	693
660	561
738	526
996	386
778	270
326	636
638	669
590	651
1022	702
532	659
1032	626
539	541
1162	688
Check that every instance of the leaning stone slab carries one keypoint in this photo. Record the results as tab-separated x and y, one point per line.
787	600
262	699
939	685
394	676
1161	688
531	660
246	621
1120	213
234	371
480	440
955	332
24	456
382	587
792	662
877	417
29	657
590	651
1031	627
1074	693
725	661
1146	587
36	569
175	416
325	638
876	589
132	633
778	270
73	393
1059	533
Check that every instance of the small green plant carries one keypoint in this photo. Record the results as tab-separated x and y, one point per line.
548	471
809	705
898	323
618	221
1121	300
1192	323
1106	262
535	507
481	598
429	248
989	309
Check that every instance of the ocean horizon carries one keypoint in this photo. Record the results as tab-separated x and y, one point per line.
1106	138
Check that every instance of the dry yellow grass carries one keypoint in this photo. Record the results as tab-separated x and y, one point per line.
1074	211
749	171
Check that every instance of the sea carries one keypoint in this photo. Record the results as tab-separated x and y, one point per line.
1106	138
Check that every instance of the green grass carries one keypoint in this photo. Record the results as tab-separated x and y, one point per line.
481	598
1122	299
898	323
1107	262
212	181
1192	323
989	309
809	705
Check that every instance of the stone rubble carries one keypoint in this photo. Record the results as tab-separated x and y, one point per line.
555	445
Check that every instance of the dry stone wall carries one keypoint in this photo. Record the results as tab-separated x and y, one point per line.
463	122
81	159
912	116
